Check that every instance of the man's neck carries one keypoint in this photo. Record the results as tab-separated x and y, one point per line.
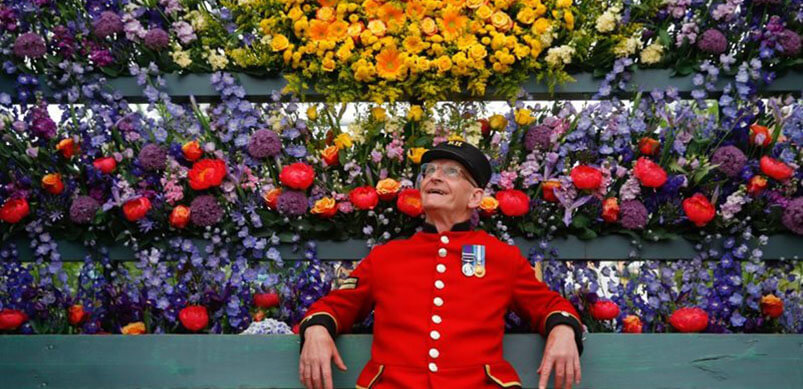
445	223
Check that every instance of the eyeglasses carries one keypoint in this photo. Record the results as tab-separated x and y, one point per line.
451	172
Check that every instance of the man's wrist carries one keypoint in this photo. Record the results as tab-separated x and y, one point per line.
568	320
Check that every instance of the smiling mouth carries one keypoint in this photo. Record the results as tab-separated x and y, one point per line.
436	191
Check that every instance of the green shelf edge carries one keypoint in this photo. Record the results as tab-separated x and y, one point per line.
181	86
571	248
618	361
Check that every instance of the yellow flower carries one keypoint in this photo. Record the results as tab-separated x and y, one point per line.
652	54
312	112
444	63
489	204
415	113
541	25
477	52
379	114
324	206
279	42
415	154
501	21
413	44
428	26
569	18
563	3
295	13
135	328
484	12
328	64
377	27
526	16
364	73
474	4
343	141
497	122
387	186
523	117
390	64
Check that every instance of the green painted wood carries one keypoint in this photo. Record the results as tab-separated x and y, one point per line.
571	248
238	361
181	87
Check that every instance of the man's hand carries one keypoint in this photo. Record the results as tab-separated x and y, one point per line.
314	366
561	353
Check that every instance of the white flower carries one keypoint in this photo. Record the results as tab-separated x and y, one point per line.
628	47
217	59
267	327
561	55
608	20
181	57
652	54
733	204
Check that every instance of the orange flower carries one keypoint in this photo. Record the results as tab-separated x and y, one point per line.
488	205
180	216
136	328
631	324
387	189
325	207
330	155
67	147
548	189
392	15
610	210
453	23
415	10
326	14
409	202
271	197
192	151
760	135
648	146
136	209
207	173
76	314
771	306
338	30
318	30
327	3
756	185
389	64
52	183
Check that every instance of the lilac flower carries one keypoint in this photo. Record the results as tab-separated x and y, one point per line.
292	203
184	32
633	214
83	209
793	215
712	41
152	157
730	159
264	143
205	211
41	124
102	57
790	42
538	137
30	45
107	23
156	39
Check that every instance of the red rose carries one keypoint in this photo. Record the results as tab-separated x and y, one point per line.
52	183
266	300
485	127
648	146
136	209
604	310
76	314
775	168
194	317
105	164
180	216
689	319
364	197
649	173
331	155
513	202
67	147
631	324
14	210
771	306
409	202
297	176
271	197
610	210
699	210
192	151
548	190
586	177
756	185
11	319
207	173
760	135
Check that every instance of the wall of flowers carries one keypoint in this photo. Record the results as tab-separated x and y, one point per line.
85	165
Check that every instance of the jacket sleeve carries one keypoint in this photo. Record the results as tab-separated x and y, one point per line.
338	310
544	308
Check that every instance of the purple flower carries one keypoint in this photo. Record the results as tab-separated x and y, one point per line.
152	157
41	123
793	216
730	159
107	23
83	209
292	203
713	41
101	57
264	143
538	137
205	211
156	39
790	42
633	214
29	45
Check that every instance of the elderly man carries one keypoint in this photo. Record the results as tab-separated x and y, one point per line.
440	297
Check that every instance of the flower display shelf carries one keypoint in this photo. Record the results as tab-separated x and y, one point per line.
181	87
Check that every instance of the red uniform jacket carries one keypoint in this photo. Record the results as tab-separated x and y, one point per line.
435	327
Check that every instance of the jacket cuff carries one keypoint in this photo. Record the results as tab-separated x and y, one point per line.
554	320
317	320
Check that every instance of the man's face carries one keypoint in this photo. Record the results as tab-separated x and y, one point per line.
443	193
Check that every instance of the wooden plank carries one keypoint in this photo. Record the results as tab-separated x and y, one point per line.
604	248
238	361
259	88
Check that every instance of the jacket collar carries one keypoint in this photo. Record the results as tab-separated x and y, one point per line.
462	226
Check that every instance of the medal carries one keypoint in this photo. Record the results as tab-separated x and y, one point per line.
473	259
468	269
479	261
467	260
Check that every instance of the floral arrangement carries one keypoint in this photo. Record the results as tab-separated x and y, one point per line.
382	50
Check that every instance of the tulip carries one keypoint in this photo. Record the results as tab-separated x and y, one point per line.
604	310
67	147
586	177
52	183
760	135
192	151
689	319
548	190
771	306
11	319
76	314
775	168
105	164
193	317
631	324
136	209
180	216
271	198
330	155
13	210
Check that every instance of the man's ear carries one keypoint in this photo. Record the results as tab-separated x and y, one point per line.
476	198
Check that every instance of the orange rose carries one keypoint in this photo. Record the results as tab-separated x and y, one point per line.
756	185
52	183
67	147
271	197
387	189
76	314
135	328
488	205
192	151
180	216
428	26
771	306
610	210
136	209
325	207
631	324
207	173
330	155
327	14
548	190
648	146
377	27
